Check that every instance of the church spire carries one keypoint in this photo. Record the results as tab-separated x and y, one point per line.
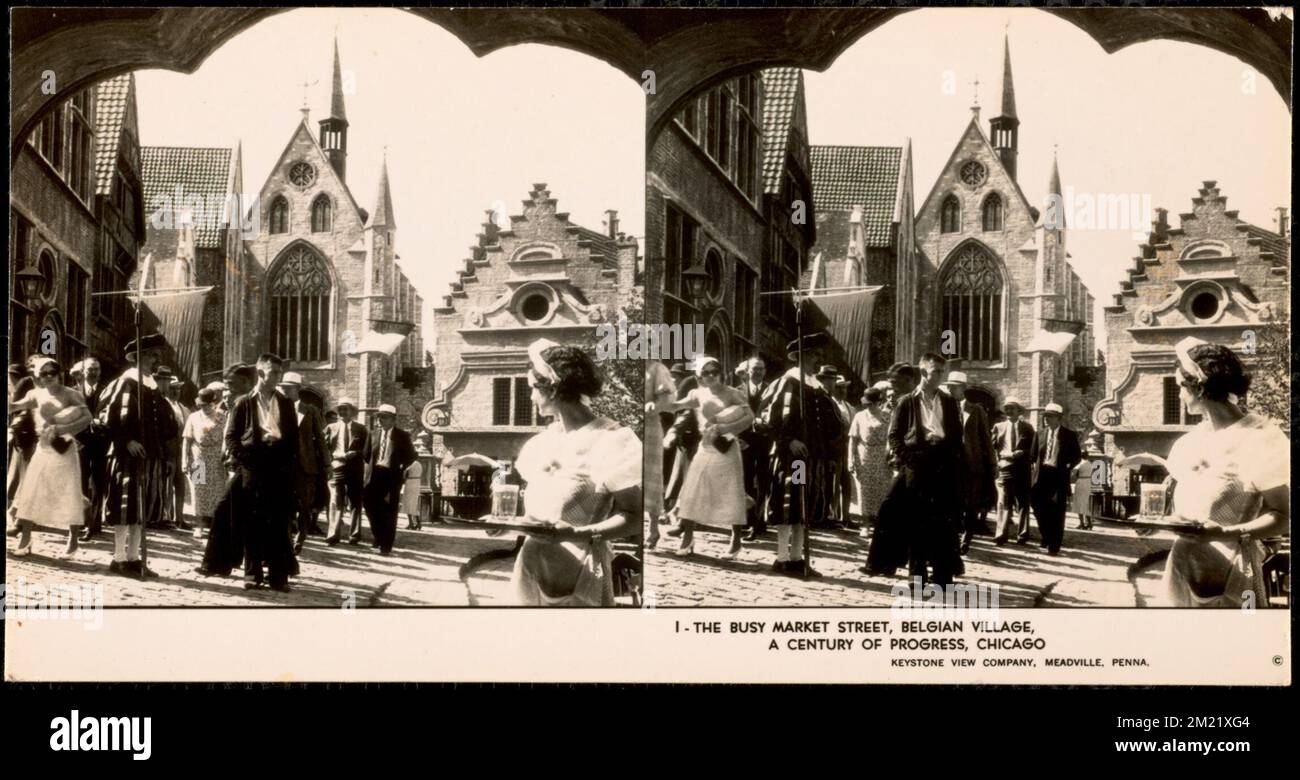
382	214
334	128
1004	128
1055	200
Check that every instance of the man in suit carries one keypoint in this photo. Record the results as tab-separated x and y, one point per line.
754	456
888	548
926	435
345	441
1012	439
389	453
313	460
977	481
174	501
1054	455
262	444
224	549
94	447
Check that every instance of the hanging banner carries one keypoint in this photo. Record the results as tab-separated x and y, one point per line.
180	320
846	318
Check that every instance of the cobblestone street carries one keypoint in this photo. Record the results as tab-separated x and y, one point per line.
422	571
1091	571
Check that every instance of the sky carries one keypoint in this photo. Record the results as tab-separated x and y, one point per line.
1154	120
462	134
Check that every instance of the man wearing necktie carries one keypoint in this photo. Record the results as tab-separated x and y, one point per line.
388	454
94	447
1055	453
345	441
1012	439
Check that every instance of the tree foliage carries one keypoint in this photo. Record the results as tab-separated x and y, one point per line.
623	398
1272	375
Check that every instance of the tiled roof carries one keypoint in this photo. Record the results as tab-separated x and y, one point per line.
780	96
202	171
1271	242
866	176
111	100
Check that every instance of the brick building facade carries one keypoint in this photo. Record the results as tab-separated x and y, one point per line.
722	184
1215	277
76	217
544	276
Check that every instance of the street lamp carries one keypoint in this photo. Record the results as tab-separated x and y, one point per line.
31	283
697	282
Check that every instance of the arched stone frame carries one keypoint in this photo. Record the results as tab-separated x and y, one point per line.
288	215
1200	250
272	270
688	49
52	320
529	252
1004	305
950	199
718	330
46	251
990	199
712	250
333	212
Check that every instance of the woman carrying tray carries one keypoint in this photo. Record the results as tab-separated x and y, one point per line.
1232	475
584	480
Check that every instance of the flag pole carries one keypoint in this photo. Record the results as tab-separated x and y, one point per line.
803	424
139	417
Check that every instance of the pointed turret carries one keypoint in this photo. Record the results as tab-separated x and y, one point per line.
1055	199
334	128
1004	128
382	214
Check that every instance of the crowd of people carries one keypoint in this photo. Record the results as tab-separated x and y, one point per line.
250	469
917	469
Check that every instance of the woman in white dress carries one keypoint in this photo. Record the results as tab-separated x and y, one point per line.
1232	478
50	494
869	455
714	490
202	438
583	477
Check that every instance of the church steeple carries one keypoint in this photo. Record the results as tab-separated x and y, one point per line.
1055	197
1005	127
334	128
382	214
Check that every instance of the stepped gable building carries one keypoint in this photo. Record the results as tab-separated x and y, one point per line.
1216	277
993	282
544	276
866	235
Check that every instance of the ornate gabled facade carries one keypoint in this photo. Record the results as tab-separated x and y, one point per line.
993	281
1215	277
544	276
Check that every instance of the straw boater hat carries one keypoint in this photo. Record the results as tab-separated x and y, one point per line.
345	401
1053	409
291	378
956	378
387	409
1013	401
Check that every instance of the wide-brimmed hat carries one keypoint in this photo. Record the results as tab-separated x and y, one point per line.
957	378
1053	409
152	341
387	409
1013	401
291	378
810	341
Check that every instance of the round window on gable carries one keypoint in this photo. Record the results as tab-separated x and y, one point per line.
535	307
1204	306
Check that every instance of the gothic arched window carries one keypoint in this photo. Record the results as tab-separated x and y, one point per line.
972	289
950	215
992	212
322	215
300	314
279	215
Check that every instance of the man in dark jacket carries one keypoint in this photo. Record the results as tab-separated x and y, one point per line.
389	452
262	445
1012	439
978	493
313	461
94	446
926	435
758	446
1054	455
345	441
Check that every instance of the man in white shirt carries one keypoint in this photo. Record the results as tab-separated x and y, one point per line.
1012	439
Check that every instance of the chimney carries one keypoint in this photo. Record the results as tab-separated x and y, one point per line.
1160	227
1283	226
611	223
